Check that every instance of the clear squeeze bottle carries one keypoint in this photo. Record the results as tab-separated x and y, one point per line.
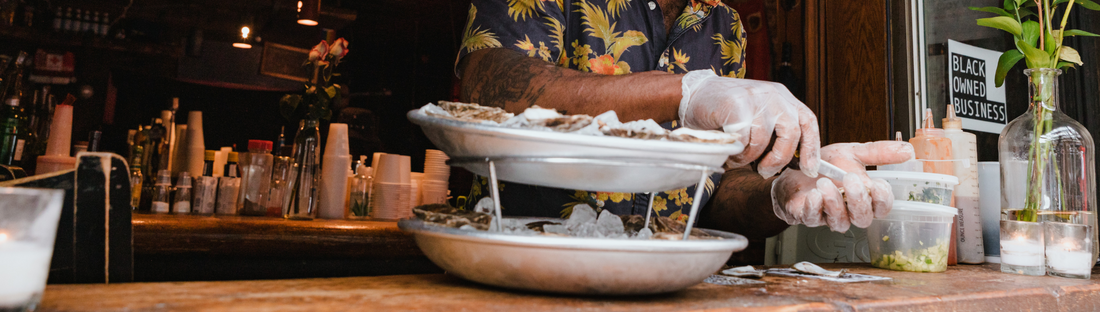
255	178
964	146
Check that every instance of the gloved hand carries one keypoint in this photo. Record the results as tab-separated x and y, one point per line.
753	109
798	199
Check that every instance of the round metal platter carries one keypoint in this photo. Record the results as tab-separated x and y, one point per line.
619	164
574	265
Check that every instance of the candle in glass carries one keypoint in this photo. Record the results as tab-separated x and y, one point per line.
1022	248
1068	249
23	273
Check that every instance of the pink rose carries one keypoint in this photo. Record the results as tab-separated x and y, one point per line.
339	48
319	51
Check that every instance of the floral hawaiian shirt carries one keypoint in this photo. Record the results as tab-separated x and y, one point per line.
611	37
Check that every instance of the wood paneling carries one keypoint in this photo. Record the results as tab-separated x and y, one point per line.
847	72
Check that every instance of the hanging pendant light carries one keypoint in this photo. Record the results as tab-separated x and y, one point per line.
245	40
309	12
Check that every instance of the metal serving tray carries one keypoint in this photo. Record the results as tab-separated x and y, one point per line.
570	265
575	161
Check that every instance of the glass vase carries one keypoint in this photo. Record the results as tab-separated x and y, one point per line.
1047	168
301	197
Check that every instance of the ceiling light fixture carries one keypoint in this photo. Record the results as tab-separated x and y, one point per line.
309	12
243	43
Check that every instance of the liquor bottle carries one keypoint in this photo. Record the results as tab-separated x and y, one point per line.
57	20
10	144
67	24
93	28
78	21
12	83
86	22
155	149
105	25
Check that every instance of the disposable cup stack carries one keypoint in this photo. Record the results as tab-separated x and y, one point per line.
391	189
433	187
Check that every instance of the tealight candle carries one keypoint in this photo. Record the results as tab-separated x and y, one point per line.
23	272
1022	252
1062	260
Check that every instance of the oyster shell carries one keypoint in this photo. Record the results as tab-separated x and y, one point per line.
744	271
452	217
474	112
810	268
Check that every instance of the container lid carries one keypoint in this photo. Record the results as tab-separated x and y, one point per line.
184	180
208	155
923	209
259	144
914	176
232	157
164	177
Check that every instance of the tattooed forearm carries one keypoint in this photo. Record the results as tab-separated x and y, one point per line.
508	79
742	204
505	78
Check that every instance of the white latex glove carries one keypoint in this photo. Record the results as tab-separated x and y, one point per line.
754	109
798	199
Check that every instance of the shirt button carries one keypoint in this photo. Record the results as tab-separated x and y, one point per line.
652	5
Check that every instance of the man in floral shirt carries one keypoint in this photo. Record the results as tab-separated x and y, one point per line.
519	53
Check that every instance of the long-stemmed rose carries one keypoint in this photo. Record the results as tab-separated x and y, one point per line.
320	92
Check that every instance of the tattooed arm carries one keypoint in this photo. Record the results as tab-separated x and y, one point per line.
742	204
510	80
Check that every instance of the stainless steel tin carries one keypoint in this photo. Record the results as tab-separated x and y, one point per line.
633	169
574	265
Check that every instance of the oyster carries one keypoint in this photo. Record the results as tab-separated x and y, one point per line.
474	112
744	271
810	268
452	217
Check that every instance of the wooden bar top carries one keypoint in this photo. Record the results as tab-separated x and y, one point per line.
169	234
961	288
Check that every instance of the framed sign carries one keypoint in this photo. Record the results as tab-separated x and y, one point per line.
283	61
972	90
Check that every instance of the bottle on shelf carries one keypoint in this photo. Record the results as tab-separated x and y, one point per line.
359	200
78	21
229	188
183	194
160	191
105	25
964	147
67	23
135	186
255	178
11	146
57	20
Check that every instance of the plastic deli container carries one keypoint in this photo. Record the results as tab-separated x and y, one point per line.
914	237
919	186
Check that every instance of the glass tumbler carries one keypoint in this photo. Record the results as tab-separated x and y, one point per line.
28	225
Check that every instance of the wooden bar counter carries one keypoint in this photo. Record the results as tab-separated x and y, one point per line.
169	247
961	288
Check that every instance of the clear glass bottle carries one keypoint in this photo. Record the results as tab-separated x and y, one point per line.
301	197
160	191
183	194
229	189
255	178
280	174
135	186
359	200
1049	158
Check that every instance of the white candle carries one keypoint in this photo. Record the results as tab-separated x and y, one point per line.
1070	262
23	271
1022	252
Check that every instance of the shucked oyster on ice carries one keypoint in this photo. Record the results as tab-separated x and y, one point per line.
583	222
606	124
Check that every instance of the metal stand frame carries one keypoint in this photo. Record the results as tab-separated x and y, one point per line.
495	192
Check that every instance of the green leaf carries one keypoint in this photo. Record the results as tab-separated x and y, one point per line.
1005	63
1026	12
1057	2
1088	4
1003	23
1078	32
288	104
1065	65
1050	44
331	91
1030	32
1034	58
1070	55
994	10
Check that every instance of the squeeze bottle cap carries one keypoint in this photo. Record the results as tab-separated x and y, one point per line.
951	122
232	157
184	181
897	136
929	128
208	155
